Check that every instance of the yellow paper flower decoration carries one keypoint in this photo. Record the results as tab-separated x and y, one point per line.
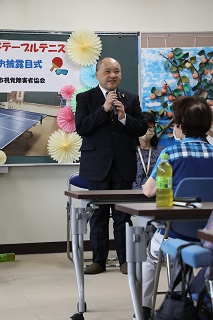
84	47
3	157
64	147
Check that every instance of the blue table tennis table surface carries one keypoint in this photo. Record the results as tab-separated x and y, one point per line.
13	123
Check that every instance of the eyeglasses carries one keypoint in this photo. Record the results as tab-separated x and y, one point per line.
61	71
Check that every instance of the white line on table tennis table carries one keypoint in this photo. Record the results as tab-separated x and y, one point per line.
21	119
10	129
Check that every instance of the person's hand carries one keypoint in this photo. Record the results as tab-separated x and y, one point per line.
110	100
120	109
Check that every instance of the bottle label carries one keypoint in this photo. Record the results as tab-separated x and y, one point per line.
163	182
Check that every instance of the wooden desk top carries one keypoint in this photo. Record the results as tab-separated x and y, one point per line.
135	203
175	212
114	195
205	235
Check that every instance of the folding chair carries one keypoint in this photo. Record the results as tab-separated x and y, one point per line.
194	256
189	187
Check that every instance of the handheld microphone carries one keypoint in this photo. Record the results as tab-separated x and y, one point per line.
114	109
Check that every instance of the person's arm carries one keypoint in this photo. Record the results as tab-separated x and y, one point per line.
89	114
149	188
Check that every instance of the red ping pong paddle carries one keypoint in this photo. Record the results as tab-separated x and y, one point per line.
57	62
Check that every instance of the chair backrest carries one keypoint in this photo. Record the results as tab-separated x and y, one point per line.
77	181
193	187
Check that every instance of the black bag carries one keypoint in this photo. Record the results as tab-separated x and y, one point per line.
178	305
204	302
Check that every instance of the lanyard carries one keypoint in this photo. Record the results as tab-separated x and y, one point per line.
146	169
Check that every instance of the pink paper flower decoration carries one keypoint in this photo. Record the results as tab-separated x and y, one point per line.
66	119
67	91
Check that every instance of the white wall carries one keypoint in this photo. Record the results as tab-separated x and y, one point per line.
32	201
119	15
33	204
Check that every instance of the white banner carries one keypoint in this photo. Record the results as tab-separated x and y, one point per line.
36	66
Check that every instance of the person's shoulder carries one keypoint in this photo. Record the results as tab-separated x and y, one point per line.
172	149
88	92
124	93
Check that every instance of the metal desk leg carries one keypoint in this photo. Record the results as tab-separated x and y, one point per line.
78	229
136	254
68	208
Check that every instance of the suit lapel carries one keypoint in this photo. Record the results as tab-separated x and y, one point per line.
99	95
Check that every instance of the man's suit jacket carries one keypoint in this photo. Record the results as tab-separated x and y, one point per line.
105	138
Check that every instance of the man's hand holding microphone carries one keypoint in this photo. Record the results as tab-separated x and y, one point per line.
112	102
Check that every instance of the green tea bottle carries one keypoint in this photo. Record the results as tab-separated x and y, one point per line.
164	192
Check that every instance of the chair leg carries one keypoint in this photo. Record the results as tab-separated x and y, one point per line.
157	276
168	268
158	268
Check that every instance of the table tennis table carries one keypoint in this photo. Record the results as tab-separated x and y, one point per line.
13	123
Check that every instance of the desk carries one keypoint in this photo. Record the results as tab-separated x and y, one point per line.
166	213
79	217
132	202
13	123
205	235
146	211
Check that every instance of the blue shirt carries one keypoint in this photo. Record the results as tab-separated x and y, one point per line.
193	157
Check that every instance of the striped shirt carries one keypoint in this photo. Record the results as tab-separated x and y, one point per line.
193	157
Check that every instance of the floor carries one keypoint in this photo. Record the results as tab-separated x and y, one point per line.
43	287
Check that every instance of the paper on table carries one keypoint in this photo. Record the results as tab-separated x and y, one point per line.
188	204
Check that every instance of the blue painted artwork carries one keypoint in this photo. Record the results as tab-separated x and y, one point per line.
153	74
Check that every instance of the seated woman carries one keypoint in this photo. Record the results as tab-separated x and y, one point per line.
147	152
192	157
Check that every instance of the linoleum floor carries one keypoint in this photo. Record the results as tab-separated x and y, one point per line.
44	287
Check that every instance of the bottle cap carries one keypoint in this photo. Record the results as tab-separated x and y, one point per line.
164	156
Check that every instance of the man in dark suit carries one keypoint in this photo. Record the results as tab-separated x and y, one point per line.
108	119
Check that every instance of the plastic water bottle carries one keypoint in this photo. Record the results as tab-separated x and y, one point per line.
11	256
164	192
4	257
